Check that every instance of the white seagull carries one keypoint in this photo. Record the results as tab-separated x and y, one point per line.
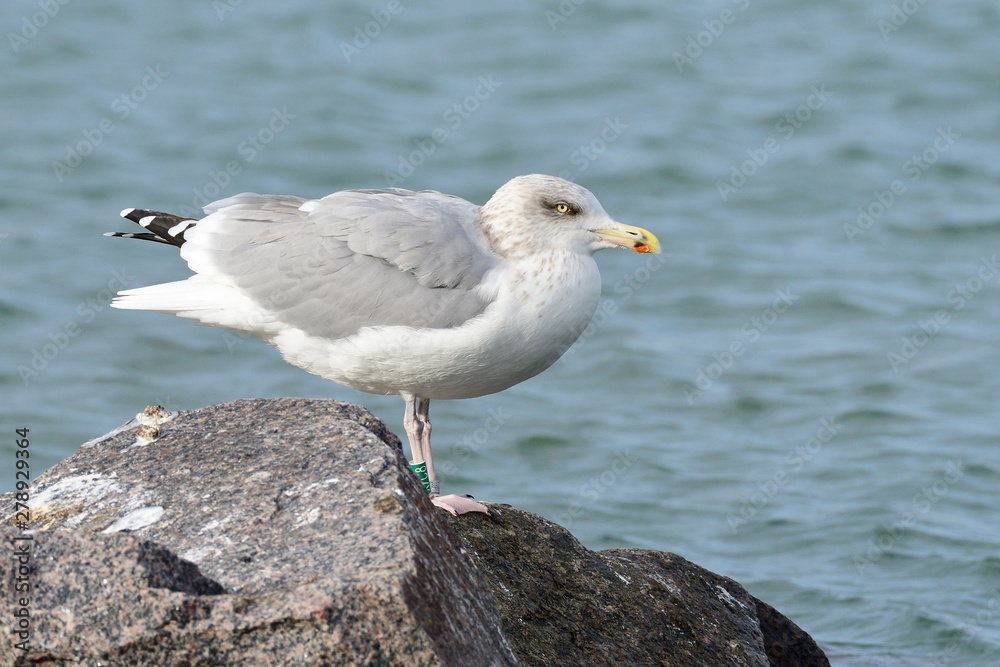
420	294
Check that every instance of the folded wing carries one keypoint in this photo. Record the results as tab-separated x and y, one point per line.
329	267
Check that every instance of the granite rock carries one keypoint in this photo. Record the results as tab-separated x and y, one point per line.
292	532
260	532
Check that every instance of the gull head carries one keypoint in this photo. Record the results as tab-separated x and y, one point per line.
537	214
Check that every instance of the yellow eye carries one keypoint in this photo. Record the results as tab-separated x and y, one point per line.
563	207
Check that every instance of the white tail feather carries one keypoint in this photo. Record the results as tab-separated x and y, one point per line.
208	302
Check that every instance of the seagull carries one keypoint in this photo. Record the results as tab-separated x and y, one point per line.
420	294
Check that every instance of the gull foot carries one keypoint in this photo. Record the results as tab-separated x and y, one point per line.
459	504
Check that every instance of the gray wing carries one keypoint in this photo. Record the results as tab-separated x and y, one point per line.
353	259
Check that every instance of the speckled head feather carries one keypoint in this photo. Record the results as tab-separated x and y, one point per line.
536	214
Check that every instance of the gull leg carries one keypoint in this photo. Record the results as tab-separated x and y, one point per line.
451	503
423	417
414	424
412	428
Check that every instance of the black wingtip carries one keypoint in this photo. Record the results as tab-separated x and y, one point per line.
163	227
141	236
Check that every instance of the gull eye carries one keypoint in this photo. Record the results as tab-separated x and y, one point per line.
563	208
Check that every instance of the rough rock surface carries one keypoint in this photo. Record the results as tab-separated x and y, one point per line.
563	604
303	512
292	532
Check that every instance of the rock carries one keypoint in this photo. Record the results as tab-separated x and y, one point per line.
562	604
292	532
79	585
787	644
264	533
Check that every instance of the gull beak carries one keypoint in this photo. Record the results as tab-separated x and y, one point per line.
627	236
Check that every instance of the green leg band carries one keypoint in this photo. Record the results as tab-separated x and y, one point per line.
421	470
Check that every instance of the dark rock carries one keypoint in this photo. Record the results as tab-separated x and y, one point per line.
292	532
311	543
787	644
562	604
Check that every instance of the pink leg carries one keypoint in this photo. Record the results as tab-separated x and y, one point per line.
417	422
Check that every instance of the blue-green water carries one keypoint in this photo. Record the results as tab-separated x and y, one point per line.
802	396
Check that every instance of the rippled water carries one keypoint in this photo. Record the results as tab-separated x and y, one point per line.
801	396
